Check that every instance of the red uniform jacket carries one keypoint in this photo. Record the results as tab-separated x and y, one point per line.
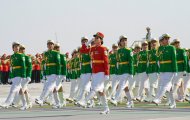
5	65
36	65
99	58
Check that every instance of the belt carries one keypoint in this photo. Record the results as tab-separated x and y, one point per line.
112	65
17	67
123	63
50	64
180	61
97	61
142	61
152	62
86	63
167	61
77	68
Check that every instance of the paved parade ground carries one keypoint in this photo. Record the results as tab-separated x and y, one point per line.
142	111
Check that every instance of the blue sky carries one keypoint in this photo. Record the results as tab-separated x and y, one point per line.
33	22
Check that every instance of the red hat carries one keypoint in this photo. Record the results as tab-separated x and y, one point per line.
99	34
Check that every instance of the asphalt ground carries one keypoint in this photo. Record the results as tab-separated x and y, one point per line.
141	111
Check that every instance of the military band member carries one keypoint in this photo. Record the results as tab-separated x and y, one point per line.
113	70
18	73
137	49
78	71
73	68
181	56
58	91
24	84
187	77
168	70
100	72
153	69
52	70
85	63
143	82
125	71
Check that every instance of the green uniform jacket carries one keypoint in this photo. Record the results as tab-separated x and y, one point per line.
153	62
85	63
52	61
28	62
77	66
113	63
142	61
125	61
69	70
63	65
73	69
181	59
188	59
18	67
167	59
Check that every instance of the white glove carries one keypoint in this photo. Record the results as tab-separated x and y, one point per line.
158	64
9	80
11	69
147	63
117	65
89	42
91	64
107	77
45	66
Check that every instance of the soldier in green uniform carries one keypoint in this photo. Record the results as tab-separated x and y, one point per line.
18	73
168	70
68	73
78	73
52	70
181	56
58	91
153	69
113	70
86	70
24	90
142	81
74	76
187	77
125	71
137	49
